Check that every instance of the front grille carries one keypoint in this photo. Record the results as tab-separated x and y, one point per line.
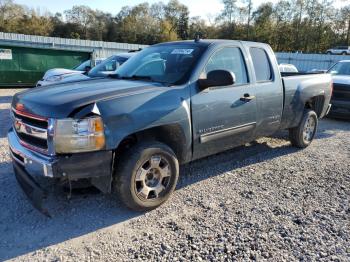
30	120
34	141
341	92
31	130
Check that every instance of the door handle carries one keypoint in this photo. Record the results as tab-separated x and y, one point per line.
247	98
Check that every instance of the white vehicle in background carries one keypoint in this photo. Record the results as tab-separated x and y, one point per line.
339	50
288	68
108	66
55	75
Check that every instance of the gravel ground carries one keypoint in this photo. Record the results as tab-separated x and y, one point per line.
264	201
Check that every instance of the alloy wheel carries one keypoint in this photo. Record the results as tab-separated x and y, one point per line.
152	178
309	129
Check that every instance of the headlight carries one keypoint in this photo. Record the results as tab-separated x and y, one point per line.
73	136
54	78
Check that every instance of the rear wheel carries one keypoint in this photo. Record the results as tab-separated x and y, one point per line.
146	175
302	135
344	53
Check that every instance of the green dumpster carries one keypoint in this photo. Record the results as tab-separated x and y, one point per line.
23	66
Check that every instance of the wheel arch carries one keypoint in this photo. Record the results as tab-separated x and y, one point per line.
172	135
316	103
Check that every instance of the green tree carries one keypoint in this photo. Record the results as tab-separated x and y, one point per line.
177	15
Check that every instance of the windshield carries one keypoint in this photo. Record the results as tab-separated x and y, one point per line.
170	64
82	66
342	68
107	66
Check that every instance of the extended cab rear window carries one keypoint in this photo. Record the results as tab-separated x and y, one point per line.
261	63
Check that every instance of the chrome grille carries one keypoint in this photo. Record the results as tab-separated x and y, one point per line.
31	130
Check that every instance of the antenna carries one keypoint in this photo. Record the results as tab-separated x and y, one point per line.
197	37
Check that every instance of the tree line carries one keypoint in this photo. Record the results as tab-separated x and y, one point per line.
288	25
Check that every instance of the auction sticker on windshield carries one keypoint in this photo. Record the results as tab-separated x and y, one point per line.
5	54
182	51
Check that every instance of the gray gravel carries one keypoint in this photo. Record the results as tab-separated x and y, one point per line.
264	201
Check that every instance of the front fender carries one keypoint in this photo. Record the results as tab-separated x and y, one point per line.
128	115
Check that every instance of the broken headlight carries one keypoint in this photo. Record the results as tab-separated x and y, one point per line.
79	135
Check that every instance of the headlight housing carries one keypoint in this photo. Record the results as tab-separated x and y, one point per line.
79	135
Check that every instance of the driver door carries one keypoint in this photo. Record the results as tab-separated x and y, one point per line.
221	118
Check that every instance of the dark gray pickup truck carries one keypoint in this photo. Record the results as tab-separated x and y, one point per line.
169	104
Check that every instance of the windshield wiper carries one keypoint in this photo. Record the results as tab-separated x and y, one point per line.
133	77
115	76
138	77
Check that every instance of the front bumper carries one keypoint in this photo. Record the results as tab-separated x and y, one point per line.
35	163
31	188
29	165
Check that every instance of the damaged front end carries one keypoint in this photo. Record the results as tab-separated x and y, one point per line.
30	166
38	151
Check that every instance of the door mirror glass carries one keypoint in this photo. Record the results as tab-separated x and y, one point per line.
217	78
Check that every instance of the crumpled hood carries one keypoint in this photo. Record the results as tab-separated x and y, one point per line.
58	101
341	79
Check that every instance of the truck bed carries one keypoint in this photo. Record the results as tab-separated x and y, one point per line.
297	88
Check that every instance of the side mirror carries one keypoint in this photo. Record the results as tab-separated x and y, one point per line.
217	78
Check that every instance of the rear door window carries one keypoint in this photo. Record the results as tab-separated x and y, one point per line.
262	65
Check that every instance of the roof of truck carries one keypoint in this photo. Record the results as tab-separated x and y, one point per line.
206	42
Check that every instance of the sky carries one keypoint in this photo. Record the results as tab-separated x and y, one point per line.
203	8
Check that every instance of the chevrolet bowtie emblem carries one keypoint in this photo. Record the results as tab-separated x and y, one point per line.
19	107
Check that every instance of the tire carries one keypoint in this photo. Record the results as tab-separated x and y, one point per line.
329	53
344	53
146	175
302	135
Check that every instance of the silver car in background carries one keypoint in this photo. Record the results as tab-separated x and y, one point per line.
339	50
54	75
103	69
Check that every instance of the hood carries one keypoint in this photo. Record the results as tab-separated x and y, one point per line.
59	71
59	101
341	79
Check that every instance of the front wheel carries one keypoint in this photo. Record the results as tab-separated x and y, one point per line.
146	175
302	135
